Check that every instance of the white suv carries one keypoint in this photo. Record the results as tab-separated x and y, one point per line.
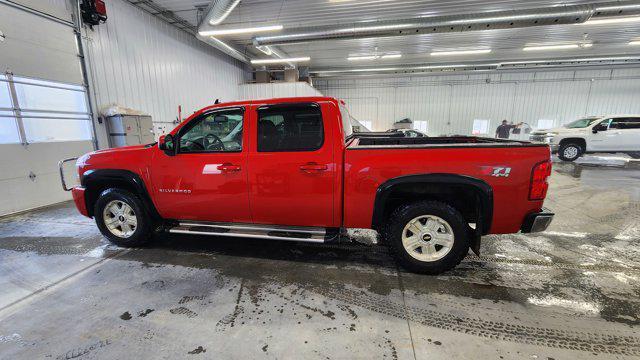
608	134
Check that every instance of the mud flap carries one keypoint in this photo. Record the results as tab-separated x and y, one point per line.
475	244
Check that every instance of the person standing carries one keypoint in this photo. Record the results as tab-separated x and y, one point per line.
504	130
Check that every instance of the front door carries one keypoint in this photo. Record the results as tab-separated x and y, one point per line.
206	179
292	169
602	140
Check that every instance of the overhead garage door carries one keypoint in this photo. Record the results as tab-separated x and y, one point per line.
43	106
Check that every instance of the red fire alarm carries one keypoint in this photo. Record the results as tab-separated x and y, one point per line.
94	12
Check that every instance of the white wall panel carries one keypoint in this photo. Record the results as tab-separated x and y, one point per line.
450	103
36	47
141	62
277	90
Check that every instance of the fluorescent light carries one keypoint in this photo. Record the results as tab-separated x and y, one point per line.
360	58
550	47
615	20
374	57
219	32
460	52
635	42
280	61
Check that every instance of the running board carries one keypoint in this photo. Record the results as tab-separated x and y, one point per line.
271	232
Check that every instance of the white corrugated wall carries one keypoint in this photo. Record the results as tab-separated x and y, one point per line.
141	62
277	90
450	103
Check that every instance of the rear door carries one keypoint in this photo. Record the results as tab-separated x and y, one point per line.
627	133
291	166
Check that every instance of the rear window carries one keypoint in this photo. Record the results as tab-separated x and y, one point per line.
290	127
346	121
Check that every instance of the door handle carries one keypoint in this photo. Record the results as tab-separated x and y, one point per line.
313	167
227	167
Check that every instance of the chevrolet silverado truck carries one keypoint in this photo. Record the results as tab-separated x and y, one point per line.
596	134
292	169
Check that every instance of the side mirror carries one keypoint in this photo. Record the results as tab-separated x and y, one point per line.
165	143
599	127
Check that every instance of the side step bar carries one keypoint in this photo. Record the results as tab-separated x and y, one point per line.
271	232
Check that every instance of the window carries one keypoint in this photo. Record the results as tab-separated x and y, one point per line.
420	125
219	131
480	126
8	126
295	127
346	121
625	123
545	124
48	111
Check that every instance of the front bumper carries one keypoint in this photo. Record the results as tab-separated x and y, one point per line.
79	199
537	222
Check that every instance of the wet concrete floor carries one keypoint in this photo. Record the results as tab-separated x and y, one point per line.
571	292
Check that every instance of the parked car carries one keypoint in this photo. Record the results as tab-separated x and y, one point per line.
297	172
603	134
408	132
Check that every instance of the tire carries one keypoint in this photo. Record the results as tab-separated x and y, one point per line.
439	221
121	230
569	151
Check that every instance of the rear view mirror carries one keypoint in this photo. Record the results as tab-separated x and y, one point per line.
220	119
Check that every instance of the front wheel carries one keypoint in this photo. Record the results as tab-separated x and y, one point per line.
121	218
427	237
569	151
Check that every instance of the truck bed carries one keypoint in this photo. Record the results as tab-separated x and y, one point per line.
457	141
371	161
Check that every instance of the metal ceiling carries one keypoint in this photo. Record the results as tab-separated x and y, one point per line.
331	54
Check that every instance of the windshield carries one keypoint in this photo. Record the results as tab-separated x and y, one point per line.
580	123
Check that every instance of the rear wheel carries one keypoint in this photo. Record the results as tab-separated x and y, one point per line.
427	237
121	218
569	151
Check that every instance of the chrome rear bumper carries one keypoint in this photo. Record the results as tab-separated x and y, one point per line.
537	222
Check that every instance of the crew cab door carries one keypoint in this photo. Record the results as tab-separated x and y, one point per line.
206	179
627	133
291	165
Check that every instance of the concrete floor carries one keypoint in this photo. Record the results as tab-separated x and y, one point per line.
572	292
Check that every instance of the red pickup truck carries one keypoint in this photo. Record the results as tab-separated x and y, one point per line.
292	169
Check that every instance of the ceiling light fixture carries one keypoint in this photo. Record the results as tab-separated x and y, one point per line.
361	58
461	52
550	47
635	42
616	20
391	56
219	32
279	61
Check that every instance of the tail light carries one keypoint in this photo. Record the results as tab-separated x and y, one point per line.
539	184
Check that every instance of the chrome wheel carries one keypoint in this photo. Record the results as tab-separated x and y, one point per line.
570	152
427	238
120	219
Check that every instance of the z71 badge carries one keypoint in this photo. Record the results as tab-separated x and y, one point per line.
497	171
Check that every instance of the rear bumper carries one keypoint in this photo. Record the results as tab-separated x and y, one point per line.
537	222
78	198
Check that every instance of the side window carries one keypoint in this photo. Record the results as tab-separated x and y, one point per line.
625	123
219	131
295	127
